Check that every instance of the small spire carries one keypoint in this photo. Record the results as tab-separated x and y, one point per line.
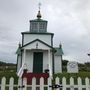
60	46
19	44
39	14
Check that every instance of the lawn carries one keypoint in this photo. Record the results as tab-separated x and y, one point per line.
83	75
8	74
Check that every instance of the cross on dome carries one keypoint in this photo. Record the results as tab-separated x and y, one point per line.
39	14
39	6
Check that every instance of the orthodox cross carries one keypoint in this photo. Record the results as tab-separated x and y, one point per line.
39	6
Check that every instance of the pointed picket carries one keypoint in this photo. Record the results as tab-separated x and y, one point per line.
71	83
25	83
34	84
11	83
57	82
49	83
79	83
87	83
41	83
64	83
3	83
20	82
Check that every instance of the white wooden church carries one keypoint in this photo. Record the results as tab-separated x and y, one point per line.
36	56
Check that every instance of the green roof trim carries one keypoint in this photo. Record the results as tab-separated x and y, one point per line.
59	51
28	32
38	20
18	51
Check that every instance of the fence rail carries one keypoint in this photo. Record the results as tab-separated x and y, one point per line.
56	85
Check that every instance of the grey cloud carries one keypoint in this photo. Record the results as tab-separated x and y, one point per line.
68	19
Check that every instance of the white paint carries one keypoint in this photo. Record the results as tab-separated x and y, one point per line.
20	72
45	60
37	46
24	55
34	46
58	64
29	59
18	63
72	67
49	59
63	83
30	37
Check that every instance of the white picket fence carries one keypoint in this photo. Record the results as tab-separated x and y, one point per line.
22	84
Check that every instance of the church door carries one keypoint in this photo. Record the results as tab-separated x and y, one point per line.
38	62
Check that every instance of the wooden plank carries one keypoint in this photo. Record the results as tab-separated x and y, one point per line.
71	83
24	84
34	84
41	83
3	83
87	82
64	83
49	83
20	83
57	82
11	83
79	83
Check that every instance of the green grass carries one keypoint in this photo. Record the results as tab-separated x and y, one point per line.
8	74
82	75
74	75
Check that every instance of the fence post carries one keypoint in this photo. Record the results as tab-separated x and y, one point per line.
41	83
11	82
49	83
20	83
57	82
3	83
79	83
87	82
71	83
34	83
25	83
63	83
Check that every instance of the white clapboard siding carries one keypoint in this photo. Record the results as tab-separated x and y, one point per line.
22	84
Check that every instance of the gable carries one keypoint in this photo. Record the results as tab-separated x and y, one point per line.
37	44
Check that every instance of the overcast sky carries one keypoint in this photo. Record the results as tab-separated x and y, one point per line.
69	20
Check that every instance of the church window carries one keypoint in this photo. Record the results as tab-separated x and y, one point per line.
42	25
34	26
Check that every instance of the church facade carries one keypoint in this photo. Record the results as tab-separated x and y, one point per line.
37	55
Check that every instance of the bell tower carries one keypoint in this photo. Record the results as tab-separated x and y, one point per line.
38	25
